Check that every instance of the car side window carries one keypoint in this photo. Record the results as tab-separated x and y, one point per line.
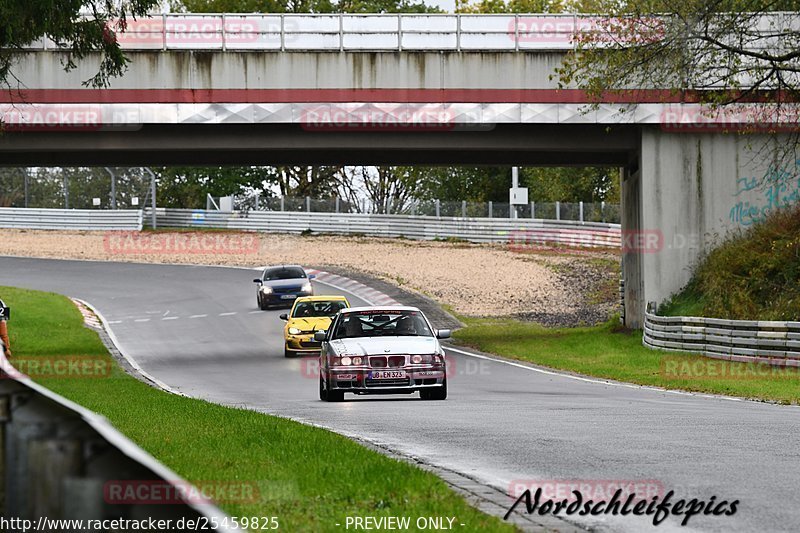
333	326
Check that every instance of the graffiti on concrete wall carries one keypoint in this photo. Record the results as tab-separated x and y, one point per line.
757	197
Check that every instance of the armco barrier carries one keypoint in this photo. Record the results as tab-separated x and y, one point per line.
57	459
775	343
74	219
516	232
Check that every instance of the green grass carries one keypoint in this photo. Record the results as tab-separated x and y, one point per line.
686	303
608	351
308	477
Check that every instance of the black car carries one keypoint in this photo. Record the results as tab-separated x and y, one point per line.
280	286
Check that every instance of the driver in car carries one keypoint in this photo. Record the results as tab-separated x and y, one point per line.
405	326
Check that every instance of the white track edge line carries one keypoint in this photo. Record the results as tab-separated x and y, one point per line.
131	361
594	380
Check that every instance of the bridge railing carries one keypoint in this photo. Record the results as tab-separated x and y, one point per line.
350	32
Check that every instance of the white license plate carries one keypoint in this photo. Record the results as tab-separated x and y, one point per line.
389	374
288	297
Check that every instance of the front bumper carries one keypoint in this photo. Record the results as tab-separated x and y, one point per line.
302	344
282	299
359	379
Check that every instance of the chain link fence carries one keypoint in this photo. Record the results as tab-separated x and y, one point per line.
130	188
575	211
75	188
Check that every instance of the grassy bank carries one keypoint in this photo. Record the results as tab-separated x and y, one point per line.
753	275
309	478
607	351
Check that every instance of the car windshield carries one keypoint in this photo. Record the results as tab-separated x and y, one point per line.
318	308
385	323
274	274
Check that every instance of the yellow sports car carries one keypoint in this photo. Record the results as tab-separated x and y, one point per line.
309	314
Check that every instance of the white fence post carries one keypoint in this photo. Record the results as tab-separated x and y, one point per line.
491	209
558	210
581	211
533	209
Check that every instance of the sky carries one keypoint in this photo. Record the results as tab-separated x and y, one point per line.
447	5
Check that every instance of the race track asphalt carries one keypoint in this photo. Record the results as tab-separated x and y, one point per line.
198	330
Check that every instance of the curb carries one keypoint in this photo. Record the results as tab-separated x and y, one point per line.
358	289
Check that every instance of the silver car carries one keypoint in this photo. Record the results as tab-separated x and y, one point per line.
382	350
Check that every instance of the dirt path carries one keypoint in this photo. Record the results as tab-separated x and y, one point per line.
472	279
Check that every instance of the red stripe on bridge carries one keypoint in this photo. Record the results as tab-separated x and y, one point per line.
264	96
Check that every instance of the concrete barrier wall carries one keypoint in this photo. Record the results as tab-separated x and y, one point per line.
772	342
76	219
521	233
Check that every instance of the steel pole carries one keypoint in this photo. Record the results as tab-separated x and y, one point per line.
514	184
152	196
113	188
25	179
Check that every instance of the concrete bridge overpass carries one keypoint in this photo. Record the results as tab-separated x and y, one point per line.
389	89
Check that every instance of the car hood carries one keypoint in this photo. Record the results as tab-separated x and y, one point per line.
386	345
310	323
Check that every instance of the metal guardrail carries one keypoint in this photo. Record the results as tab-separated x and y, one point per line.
772	342
519	233
70	219
351	32
57	460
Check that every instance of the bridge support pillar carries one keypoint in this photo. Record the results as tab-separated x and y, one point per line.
631	222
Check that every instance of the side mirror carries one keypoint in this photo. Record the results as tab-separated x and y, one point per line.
284	316
320	335
442	333
257	280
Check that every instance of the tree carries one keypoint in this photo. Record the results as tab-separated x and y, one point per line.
512	6
389	189
187	187
304	6
719	52
568	184
81	27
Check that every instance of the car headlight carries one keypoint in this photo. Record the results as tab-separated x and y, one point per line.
357	361
294	331
265	289
306	287
346	361
419	359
